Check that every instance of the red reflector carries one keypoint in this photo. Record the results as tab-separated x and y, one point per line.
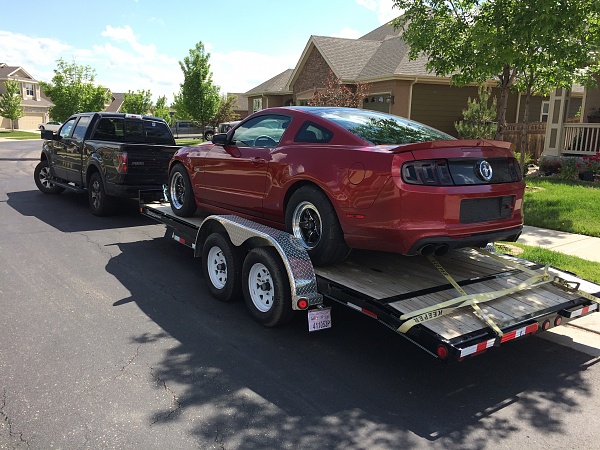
442	352
302	303
546	325
179	239
530	329
355	216
557	321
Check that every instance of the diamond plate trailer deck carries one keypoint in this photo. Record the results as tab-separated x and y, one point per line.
453	307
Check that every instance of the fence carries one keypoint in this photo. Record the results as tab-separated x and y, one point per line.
535	137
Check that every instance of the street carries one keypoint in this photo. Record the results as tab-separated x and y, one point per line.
110	339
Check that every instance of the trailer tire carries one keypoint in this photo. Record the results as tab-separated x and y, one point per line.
311	218
181	195
101	204
42	177
266	287
222	268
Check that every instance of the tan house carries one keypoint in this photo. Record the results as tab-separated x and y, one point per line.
398	85
35	105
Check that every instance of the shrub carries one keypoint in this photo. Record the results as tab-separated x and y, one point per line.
550	165
568	168
478	118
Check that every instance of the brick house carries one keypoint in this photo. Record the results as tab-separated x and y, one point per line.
398	85
35	104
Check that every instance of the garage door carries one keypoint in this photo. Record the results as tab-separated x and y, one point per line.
30	121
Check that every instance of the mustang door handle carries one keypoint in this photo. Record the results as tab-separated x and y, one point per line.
259	161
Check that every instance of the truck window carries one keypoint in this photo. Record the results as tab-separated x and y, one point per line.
81	127
158	132
65	131
107	130
134	131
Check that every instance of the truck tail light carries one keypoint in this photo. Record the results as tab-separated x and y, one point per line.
122	162
431	173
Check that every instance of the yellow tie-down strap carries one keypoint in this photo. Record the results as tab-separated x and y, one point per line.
442	309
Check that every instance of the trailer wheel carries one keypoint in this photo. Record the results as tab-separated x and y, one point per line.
311	218
42	177
222	267
100	203
181	195
266	287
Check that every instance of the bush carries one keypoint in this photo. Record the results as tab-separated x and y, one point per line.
478	118
550	165
568	168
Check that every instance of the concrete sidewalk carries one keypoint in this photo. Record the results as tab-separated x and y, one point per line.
585	247
582	334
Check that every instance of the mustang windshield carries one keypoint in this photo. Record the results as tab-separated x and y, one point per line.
379	128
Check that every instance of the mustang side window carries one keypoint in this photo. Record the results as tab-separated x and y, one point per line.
262	131
310	132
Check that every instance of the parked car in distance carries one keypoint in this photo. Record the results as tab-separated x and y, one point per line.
342	178
52	126
224	127
187	128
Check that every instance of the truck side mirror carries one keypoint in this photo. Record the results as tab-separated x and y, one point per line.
49	135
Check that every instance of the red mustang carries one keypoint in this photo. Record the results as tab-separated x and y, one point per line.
342	178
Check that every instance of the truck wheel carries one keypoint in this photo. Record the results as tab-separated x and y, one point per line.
43	178
100	203
181	195
266	287
222	267
209	135
311	218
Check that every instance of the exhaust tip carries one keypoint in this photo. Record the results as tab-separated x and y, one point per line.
427	249
442	250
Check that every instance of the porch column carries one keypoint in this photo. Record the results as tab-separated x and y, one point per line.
557	115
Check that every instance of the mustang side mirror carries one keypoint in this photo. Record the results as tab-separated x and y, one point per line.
219	139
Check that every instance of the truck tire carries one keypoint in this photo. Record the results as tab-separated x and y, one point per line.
222	268
42	177
181	195
101	204
311	218
209	135
266	287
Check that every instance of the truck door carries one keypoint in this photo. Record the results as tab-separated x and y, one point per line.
57	160
73	151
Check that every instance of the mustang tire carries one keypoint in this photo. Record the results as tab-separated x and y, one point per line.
266	287
43	178
222	268
181	195
310	217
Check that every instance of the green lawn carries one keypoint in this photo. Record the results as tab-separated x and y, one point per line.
571	206
18	134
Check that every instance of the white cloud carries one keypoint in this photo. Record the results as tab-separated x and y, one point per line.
384	8
348	33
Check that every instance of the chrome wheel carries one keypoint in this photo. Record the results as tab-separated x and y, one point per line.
260	287
96	195
307	225
45	177
177	190
217	267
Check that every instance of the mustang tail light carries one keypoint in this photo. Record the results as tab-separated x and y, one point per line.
432	173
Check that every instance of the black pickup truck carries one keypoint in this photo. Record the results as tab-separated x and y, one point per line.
106	154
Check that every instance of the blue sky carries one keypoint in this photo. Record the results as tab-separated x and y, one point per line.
137	44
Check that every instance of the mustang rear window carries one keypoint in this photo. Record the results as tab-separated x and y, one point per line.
379	128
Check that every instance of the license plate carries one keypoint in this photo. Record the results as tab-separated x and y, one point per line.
319	319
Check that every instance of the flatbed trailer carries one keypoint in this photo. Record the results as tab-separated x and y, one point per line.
453	306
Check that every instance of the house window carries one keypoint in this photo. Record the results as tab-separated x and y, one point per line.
544	111
29	89
257	104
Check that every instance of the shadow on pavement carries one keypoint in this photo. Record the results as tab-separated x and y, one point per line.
358	385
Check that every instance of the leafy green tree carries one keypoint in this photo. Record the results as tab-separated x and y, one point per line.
225	111
476	40
10	103
161	109
198	97
139	102
72	90
337	93
478	118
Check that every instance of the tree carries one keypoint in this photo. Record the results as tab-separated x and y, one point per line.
478	118
72	90
476	40
225	111
161	109
198	96
10	103
337	93
139	102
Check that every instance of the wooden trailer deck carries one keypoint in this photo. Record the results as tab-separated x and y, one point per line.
409	284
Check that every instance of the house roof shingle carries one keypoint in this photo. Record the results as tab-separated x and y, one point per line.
277	84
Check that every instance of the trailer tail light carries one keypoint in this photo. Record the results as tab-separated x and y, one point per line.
121	162
302	303
442	352
557	321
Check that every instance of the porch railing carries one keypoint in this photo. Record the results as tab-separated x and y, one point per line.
581	139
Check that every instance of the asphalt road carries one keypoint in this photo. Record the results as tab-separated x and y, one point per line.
109	339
